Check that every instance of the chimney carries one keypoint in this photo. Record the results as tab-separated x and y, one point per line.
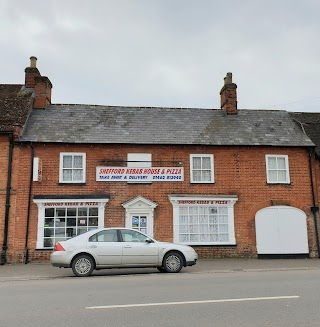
228	96
42	92
41	85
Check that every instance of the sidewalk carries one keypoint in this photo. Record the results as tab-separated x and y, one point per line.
34	271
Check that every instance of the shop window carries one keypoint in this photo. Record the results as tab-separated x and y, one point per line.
277	169
201	168
63	223
203	221
72	168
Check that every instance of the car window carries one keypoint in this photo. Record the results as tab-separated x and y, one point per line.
105	236
132	236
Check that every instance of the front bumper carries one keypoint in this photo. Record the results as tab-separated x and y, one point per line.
191	263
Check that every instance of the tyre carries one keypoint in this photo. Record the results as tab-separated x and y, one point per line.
172	262
161	269
83	265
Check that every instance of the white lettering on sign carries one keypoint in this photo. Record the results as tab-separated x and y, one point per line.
129	174
186	202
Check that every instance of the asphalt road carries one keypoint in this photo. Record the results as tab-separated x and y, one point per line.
265	298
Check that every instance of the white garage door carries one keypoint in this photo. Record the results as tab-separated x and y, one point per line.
281	230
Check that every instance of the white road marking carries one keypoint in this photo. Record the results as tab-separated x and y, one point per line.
194	302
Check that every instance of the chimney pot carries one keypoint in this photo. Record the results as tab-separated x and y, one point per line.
33	62
228	79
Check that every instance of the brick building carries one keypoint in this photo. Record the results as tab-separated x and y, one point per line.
15	106
229	182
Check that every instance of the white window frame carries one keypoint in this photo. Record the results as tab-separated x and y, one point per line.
222	201
62	155
212	167
286	168
56	203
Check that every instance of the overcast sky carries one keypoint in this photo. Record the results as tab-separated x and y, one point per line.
168	53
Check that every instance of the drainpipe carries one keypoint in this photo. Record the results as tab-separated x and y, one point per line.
26	251
314	209
3	258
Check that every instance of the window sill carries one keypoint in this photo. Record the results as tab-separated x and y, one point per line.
201	182
283	184
73	183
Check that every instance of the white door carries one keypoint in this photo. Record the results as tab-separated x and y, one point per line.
140	222
281	230
140	214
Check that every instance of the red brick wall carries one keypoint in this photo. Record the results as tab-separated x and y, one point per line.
238	171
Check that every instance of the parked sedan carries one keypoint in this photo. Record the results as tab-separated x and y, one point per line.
120	248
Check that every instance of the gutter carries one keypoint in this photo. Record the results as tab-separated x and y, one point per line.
3	258
26	251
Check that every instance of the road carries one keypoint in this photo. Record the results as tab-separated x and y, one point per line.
261	298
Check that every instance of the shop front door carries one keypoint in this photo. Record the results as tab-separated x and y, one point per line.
140	222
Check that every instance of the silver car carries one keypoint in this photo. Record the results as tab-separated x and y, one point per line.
120	248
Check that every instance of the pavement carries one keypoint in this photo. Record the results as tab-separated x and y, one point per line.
38	271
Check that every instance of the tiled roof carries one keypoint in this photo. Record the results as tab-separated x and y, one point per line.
310	123
15	106
144	125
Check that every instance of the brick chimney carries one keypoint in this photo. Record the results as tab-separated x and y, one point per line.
41	85
228	96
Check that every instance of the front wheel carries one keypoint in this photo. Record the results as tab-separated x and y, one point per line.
161	269
83	265
172	262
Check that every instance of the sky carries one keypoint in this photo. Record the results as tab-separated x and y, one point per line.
167	53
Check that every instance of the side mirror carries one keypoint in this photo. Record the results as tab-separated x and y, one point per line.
148	240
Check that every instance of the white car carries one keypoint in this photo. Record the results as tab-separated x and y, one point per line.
120	248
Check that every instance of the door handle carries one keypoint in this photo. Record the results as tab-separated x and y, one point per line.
93	246
127	246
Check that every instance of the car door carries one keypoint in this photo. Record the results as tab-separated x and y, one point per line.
136	250
106	247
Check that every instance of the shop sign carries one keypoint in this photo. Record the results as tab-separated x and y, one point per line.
202	202
70	204
129	174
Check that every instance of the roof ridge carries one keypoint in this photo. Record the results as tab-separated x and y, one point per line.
157	107
118	106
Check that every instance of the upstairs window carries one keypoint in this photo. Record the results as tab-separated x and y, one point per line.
72	168
139	160
277	169
201	168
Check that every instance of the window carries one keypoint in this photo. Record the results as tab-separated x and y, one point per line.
63	223
105	236
203	220
72	168
277	169
132	236
139	160
64	218
201	168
